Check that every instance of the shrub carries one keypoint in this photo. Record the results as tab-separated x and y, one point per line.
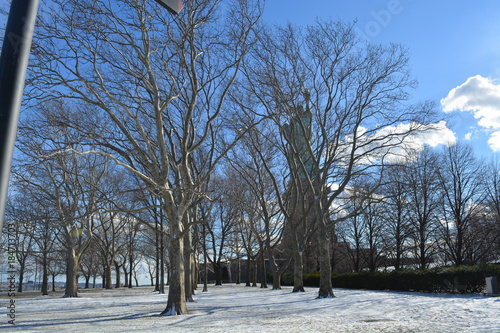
461	279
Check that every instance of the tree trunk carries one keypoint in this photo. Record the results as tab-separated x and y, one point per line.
459	245
45	275
21	278
298	269
325	279
157	253
125	273
247	283
205	262
263	276
189	268
117	271
136	280
107	273
255	273
205	276
238	270
217	272
397	262
131	272
131	257
71	274
195	277
422	245
357	258
275	270
162	264
276	281
229	275
176	304
399	247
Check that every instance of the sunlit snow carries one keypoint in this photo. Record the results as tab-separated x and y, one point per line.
236	308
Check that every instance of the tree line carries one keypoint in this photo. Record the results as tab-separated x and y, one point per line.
212	135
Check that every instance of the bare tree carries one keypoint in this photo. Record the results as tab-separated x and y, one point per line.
360	227
35	217
357	95
256	160
349	232
57	267
91	264
424	203
131	233
147	249
250	244
45	235
396	215
461	179
204	214
374	236
492	213
222	219
18	215
154	219
152	87
61	178
108	227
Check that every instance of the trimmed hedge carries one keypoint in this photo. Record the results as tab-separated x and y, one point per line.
461	279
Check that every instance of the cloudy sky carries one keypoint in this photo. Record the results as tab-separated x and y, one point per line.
454	48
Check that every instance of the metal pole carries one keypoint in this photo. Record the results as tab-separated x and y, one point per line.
13	64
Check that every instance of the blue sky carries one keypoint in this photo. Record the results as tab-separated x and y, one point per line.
452	44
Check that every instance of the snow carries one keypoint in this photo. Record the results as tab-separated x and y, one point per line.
236	308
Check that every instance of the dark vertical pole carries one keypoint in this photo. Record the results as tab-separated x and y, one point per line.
162	255
13	63
205	263
157	244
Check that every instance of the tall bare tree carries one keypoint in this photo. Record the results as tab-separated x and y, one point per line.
424	207
396	216
67	181
357	95
151	86
223	216
45	232
91	265
461	179
108	228
256	160
18	215
493	206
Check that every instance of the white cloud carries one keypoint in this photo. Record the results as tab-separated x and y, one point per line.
433	135
481	97
429	135
397	143
494	141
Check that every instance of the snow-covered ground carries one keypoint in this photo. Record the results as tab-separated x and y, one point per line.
236	308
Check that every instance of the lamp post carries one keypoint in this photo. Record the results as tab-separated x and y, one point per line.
173	6
13	63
